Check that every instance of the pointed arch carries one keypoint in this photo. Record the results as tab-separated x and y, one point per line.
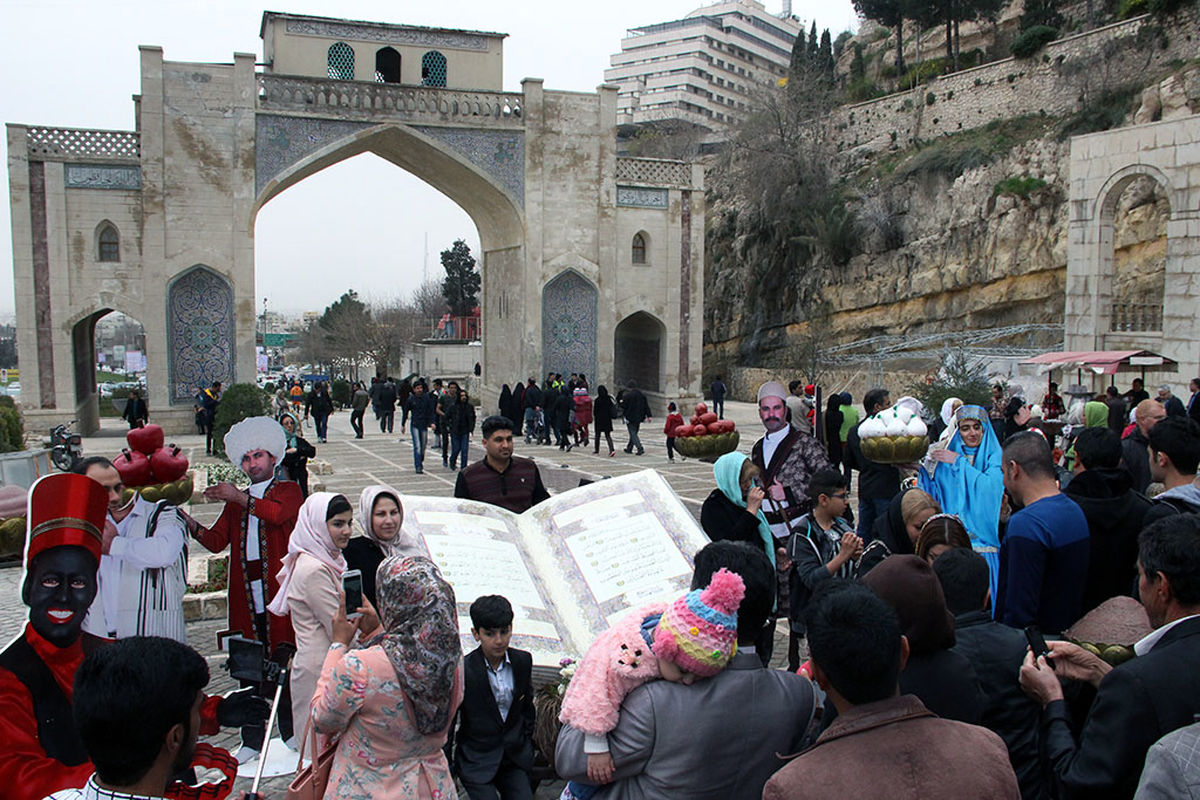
639	247
108	242
340	61
638	351
387	65
433	69
201	332
569	324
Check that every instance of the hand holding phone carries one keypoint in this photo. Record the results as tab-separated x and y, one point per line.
1037	643
352	587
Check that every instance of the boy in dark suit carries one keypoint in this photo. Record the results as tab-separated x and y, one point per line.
494	750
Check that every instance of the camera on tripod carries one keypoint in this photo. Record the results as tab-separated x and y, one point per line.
248	661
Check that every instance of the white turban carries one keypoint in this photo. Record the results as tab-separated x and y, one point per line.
255	433
772	389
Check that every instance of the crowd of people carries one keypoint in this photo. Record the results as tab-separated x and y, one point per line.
908	670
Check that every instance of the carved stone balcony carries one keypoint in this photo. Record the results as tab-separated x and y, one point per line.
373	101
1137	317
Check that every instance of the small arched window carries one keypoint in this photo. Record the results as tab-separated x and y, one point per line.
108	244
433	69
341	61
387	65
639	248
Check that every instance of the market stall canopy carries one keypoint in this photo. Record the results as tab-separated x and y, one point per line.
1104	362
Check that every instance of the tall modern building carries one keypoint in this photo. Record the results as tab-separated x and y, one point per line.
703	68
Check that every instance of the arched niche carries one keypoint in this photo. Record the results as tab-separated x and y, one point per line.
201	330
569	315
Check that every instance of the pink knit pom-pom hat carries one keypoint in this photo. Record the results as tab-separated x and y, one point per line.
698	632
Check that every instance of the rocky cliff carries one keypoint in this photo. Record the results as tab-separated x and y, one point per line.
966	233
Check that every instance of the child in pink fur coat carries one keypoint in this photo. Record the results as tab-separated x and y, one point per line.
692	637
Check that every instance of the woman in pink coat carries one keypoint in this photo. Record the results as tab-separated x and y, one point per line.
392	701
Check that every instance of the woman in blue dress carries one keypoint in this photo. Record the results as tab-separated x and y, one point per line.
967	480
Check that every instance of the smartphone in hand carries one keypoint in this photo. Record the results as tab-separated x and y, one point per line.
1037	643
352	586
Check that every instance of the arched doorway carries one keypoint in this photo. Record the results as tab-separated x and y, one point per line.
637	351
1134	219
494	208
109	360
387	250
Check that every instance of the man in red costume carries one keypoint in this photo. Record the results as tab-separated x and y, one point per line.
40	749
255	525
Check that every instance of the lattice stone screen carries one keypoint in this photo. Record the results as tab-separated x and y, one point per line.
341	61
67	142
433	69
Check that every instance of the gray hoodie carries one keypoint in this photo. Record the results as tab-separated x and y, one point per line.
1180	500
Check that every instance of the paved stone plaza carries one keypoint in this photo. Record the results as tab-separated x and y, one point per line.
387	459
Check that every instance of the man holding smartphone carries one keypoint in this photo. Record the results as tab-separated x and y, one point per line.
1139	701
255	525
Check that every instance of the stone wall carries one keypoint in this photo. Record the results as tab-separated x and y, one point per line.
1054	82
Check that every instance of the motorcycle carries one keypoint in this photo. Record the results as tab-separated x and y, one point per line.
65	446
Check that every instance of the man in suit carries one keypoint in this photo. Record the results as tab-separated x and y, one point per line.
719	738
1141	700
493	752
1193	403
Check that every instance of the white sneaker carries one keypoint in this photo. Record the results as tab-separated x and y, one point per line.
246	754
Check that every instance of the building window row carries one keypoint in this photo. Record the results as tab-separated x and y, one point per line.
340	65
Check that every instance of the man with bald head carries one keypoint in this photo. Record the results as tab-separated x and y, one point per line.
1134	451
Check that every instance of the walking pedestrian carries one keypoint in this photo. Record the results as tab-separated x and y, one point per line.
320	405
358	405
136	411
461	424
386	399
420	409
603	410
637	411
674	420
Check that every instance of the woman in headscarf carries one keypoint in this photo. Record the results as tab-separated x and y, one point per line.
295	459
603	411
517	409
505	403
833	428
966	480
381	516
309	586
394	700
734	509
942	678
896	532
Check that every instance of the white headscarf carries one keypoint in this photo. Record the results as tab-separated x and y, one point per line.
403	543
948	408
310	536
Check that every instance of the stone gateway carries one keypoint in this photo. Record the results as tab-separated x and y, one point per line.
590	262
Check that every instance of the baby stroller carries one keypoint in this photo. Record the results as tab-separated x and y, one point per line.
537	431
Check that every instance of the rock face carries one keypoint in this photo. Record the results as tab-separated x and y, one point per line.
943	254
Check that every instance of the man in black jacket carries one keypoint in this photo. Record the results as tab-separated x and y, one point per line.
1133	449
1114	510
996	652
637	411
1140	701
877	483
493	750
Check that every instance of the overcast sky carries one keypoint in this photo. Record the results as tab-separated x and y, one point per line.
75	64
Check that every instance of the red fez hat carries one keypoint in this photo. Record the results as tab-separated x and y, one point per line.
66	509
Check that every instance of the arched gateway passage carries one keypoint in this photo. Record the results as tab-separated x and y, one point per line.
536	171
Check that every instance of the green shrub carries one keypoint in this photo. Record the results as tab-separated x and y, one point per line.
925	71
930	99
1132	8
339	391
239	401
1032	40
862	90
1101	114
12	430
1021	186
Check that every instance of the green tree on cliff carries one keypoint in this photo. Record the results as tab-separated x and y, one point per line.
461	286
890	14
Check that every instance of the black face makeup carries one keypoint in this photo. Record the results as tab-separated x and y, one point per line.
61	587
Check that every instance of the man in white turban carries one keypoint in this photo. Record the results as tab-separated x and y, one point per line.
255	525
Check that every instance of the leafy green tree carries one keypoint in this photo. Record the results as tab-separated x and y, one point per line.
825	54
813	43
238	402
461	286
